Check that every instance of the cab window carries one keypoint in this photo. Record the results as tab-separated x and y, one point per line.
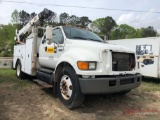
44	39
57	36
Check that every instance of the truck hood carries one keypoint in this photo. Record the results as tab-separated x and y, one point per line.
98	45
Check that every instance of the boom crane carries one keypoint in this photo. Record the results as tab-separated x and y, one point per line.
20	35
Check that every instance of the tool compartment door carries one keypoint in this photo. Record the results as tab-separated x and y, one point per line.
19	54
28	56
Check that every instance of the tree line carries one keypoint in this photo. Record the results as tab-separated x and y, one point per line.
102	26
22	17
108	26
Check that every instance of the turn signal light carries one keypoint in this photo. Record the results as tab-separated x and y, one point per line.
86	65
83	65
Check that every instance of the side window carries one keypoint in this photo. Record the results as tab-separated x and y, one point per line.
57	36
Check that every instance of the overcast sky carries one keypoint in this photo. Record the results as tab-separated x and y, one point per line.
135	19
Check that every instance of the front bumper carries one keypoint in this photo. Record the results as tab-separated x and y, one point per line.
110	84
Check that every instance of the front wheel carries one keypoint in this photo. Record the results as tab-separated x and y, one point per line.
68	88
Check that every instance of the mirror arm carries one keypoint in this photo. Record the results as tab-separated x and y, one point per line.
56	42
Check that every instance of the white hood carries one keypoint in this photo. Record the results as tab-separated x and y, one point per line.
98	45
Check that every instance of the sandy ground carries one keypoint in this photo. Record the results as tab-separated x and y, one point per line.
35	100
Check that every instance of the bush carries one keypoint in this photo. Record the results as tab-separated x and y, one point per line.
6	54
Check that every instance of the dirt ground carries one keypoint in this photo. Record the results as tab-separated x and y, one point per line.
30	100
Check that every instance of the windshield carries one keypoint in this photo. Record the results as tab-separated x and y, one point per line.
78	33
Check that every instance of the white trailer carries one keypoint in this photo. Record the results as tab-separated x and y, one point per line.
147	51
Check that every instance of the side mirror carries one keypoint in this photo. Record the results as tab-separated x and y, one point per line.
48	33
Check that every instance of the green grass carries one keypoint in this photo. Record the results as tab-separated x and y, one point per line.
7	72
9	76
149	86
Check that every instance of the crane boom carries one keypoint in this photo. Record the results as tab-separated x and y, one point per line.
45	14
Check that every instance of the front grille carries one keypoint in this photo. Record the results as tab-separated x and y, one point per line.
126	81
123	61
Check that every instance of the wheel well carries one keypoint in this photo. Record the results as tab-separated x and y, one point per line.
18	60
61	66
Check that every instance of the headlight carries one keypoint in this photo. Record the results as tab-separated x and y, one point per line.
86	65
92	65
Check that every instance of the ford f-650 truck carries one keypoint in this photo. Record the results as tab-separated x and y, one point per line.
75	61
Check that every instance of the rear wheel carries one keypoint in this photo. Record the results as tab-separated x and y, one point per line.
68	88
19	72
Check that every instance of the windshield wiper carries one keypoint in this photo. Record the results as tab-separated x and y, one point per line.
94	40
76	37
79	38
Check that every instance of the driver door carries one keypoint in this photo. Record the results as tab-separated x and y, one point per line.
48	53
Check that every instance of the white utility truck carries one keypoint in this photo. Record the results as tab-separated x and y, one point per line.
147	51
75	61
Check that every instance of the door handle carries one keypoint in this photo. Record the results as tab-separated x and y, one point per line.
45	48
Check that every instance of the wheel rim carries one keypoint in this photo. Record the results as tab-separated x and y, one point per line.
18	70
66	87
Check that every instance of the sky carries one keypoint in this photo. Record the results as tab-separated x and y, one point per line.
135	19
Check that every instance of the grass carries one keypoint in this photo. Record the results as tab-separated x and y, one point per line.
9	76
149	86
7	72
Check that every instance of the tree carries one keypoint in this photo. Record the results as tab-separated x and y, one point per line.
32	15
15	17
74	20
109	25
148	32
123	31
24	17
53	18
98	24
115	34
139	33
7	33
84	21
64	18
105	25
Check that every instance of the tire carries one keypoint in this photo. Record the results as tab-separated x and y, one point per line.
19	72
68	88
145	62
123	92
